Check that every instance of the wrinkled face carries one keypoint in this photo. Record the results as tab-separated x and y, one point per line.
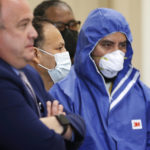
52	43
18	35
110	43
59	13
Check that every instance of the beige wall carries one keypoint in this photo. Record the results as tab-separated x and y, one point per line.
131	9
145	41
34	3
82	8
137	14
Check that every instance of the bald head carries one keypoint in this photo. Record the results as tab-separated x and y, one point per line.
18	35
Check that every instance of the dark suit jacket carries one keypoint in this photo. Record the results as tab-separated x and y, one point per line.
20	127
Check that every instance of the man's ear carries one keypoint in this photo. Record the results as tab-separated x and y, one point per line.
36	58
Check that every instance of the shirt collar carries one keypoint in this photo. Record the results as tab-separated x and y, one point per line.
15	70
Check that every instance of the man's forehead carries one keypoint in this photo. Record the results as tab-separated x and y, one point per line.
15	9
57	13
114	36
10	5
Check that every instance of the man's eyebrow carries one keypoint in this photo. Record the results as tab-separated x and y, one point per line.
109	41
124	41
24	20
106	41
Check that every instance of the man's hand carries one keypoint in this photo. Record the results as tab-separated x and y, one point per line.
53	124
54	108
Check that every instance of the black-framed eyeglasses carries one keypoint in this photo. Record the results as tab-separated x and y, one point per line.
72	25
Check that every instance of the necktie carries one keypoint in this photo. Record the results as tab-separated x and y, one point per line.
30	90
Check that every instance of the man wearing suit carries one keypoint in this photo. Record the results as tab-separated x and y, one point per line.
25	123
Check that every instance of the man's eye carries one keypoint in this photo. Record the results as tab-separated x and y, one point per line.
123	45
60	48
106	45
23	25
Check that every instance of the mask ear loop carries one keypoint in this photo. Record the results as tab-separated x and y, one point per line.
43	67
45	52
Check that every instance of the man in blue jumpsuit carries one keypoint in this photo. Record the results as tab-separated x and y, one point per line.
104	88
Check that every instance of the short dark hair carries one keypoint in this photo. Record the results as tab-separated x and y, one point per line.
42	7
38	23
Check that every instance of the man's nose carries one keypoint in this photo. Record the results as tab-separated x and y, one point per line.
33	33
116	46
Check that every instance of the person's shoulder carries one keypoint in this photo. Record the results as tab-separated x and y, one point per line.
144	86
4	67
66	88
146	90
6	72
31	72
29	69
69	81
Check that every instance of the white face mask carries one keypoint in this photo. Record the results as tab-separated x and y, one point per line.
111	63
63	65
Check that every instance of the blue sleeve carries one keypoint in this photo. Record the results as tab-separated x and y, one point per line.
57	93
146	92
20	128
77	122
148	126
